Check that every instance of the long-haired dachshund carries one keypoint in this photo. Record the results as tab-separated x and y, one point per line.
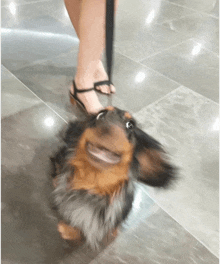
95	170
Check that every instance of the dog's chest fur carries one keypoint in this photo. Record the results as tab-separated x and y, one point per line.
93	214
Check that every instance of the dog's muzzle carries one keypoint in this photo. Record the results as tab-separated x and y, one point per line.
102	154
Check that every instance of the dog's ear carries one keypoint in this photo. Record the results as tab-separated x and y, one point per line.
150	161
73	132
70	135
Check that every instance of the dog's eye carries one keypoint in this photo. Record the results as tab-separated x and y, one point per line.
130	124
101	115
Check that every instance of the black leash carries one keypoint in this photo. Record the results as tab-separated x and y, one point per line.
109	36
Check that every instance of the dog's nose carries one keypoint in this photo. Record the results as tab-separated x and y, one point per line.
104	123
101	115
108	121
105	128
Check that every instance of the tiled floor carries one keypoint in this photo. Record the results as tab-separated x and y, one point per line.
166	74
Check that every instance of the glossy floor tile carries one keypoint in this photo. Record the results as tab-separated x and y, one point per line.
191	65
210	7
136	40
138	33
30	33
27	222
188	124
57	9
152	11
29	232
202	27
15	97
13	4
166	74
51	79
157	239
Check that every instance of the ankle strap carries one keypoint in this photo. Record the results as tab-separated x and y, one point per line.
76	90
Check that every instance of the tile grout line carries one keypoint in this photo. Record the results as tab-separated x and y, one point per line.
158	204
160	99
156	101
28	3
176	83
167	77
161	207
181	224
185	16
150	105
177	87
159	73
173	91
193	38
191	9
135	114
37	96
149	68
166	49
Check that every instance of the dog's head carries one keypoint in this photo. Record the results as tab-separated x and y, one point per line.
108	139
112	139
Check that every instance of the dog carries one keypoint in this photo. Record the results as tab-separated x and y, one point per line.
95	170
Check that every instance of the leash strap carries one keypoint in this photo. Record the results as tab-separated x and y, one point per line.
109	40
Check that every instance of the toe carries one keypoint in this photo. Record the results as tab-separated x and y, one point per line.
113	90
72	89
105	89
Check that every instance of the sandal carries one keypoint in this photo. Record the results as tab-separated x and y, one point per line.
107	82
74	98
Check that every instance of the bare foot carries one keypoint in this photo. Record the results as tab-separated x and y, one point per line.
101	75
89	99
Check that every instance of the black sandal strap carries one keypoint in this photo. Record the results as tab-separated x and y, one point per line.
77	99
84	90
76	90
102	83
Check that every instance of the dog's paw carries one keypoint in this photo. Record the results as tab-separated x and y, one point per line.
68	232
114	232
55	182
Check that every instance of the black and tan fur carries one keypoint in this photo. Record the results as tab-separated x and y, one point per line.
94	195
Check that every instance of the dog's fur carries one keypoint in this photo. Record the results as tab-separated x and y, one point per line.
95	170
